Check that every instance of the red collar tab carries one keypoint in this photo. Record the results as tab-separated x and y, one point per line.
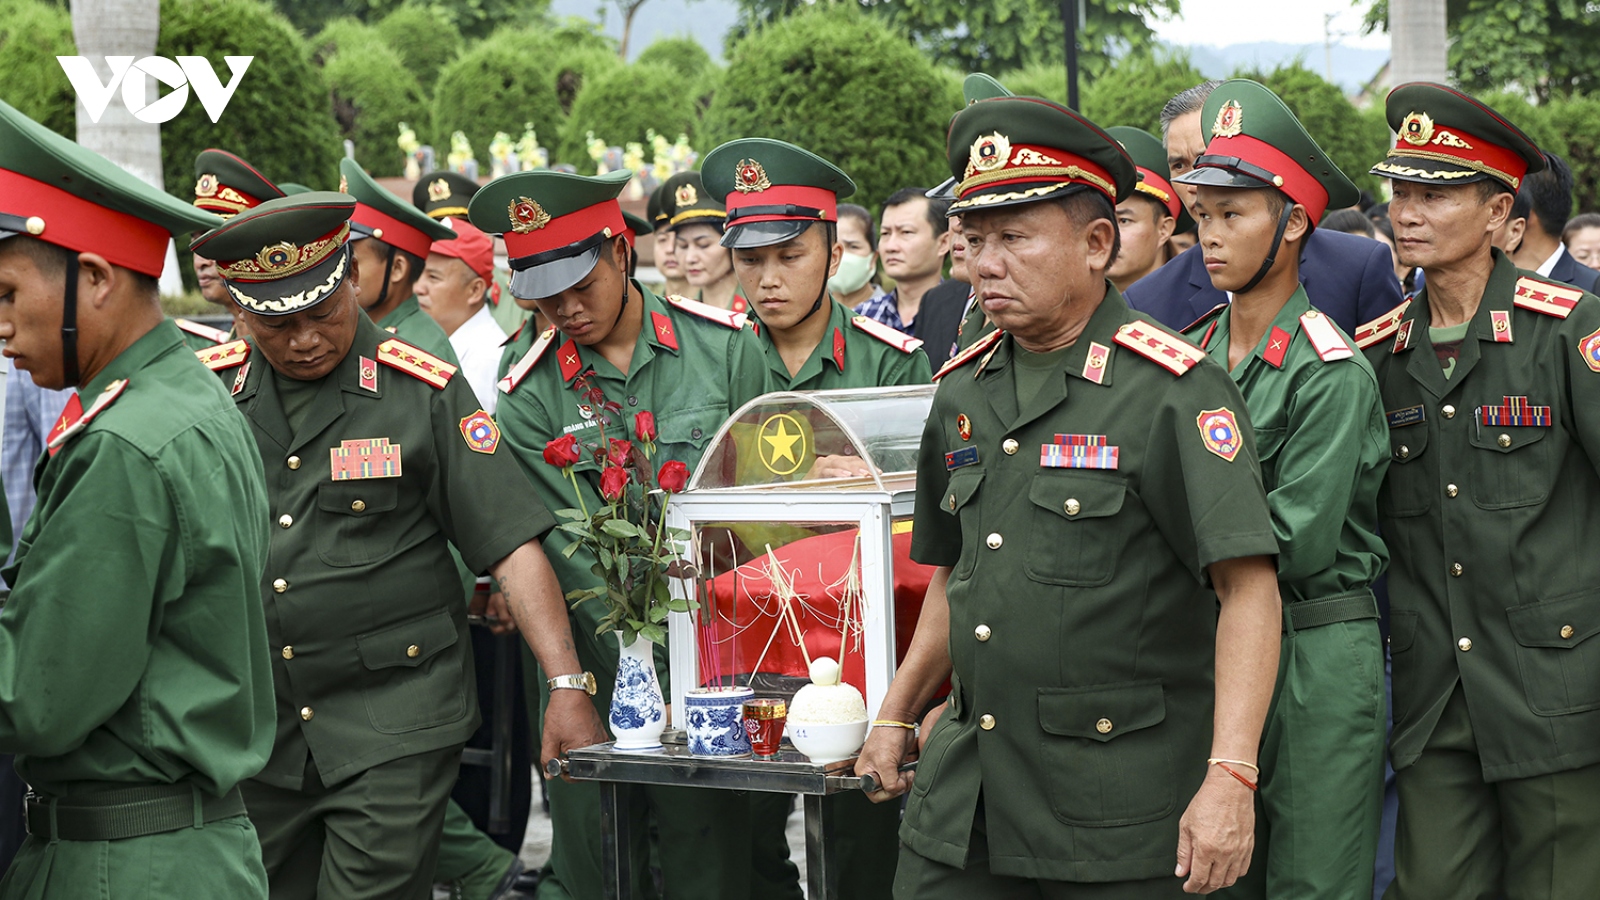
1153	185
1277	347
664	333
758	202
1421	137
392	231
1298	183
69	221
70	414
561	231
995	162
571	363
838	348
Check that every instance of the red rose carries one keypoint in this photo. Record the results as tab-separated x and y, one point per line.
621	452
562	452
612	480
644	426
674	476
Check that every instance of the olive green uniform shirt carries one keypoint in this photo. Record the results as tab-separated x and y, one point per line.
690	388
410	324
132	648
1082	633
1496	580
365	615
847	357
1321	438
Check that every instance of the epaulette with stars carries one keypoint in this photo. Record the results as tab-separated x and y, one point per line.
1382	327
968	355
417	363
1174	354
224	356
1545	297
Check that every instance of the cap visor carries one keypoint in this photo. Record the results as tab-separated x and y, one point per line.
1426	171
946	191
553	277
1216	176
286	296
1015	195
763	234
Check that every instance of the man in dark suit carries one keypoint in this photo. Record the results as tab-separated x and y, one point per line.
1348	277
1532	235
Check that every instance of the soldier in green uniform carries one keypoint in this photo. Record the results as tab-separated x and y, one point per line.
1084	476
365	617
224	186
1490	379
442	194
689	364
974	325
389	241
1263	184
135	688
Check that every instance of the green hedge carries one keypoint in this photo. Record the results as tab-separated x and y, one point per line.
32	35
620	105
845	86
425	40
346	31
498	85
373	93
681	53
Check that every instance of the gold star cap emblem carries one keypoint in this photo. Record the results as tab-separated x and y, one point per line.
439	189
206	186
989	152
527	215
749	177
1230	120
686	195
1416	129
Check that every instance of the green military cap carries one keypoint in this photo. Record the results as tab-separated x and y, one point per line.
1257	142
636	226
290	188
974	87
554	224
687	202
443	193
381	215
1447	137
773	190
657	209
227	185
1155	178
285	255
1013	150
64	194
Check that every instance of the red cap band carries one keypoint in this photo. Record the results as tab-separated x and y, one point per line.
394	232
87	227
784	195
1297	182
1452	145
1160	189
568	229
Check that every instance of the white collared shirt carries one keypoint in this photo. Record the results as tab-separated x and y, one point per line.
1549	265
477	345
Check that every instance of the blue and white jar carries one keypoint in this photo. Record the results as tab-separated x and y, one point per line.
714	720
638	713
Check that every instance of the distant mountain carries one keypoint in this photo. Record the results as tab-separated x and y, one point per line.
707	21
1352	67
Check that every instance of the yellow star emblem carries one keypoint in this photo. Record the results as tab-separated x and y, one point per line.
778	444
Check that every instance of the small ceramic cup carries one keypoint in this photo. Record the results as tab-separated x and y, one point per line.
714	717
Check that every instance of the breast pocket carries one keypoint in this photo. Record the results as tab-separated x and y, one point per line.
351	520
1408	489
1074	539
959	495
1558	653
1110	762
689	430
1511	465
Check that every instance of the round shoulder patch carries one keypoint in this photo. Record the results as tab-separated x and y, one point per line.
1220	432
480	432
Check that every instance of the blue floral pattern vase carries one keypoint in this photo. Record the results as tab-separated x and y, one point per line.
638	712
714	721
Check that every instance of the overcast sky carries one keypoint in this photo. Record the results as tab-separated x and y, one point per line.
1223	22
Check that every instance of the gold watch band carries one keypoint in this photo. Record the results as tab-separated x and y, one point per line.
581	682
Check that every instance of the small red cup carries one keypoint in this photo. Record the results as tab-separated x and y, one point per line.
763	722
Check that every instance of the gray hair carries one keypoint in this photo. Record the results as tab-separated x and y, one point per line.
1188	101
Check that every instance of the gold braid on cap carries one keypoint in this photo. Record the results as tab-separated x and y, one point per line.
1034	173
284	258
1476	167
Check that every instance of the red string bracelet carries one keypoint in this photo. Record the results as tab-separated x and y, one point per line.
1230	770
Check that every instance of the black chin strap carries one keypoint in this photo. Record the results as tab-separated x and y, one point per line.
388	269
1272	255
625	283
69	325
823	295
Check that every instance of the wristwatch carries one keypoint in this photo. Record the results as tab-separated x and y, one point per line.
584	682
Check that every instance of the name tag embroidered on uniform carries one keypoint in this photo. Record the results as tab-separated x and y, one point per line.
368	458
1411	415
956	459
1515	411
1079	451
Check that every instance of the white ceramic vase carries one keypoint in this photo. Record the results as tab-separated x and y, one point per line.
638	712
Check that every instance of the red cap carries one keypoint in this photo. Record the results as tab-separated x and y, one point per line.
470	245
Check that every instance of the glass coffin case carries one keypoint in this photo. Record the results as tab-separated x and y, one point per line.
789	566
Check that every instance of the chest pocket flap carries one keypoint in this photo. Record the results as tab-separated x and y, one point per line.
963	486
1507	438
1077	495
693	427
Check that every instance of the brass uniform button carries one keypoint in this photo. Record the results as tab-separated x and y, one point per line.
358	505
1073	507
1449	411
1465	644
1451	490
952	502
285	520
986	722
1567	632
995	540
1103	726
982	632
1010	446
279	585
1455	569
307	712
1503	440
1403	452
293	462
413	651
288	653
